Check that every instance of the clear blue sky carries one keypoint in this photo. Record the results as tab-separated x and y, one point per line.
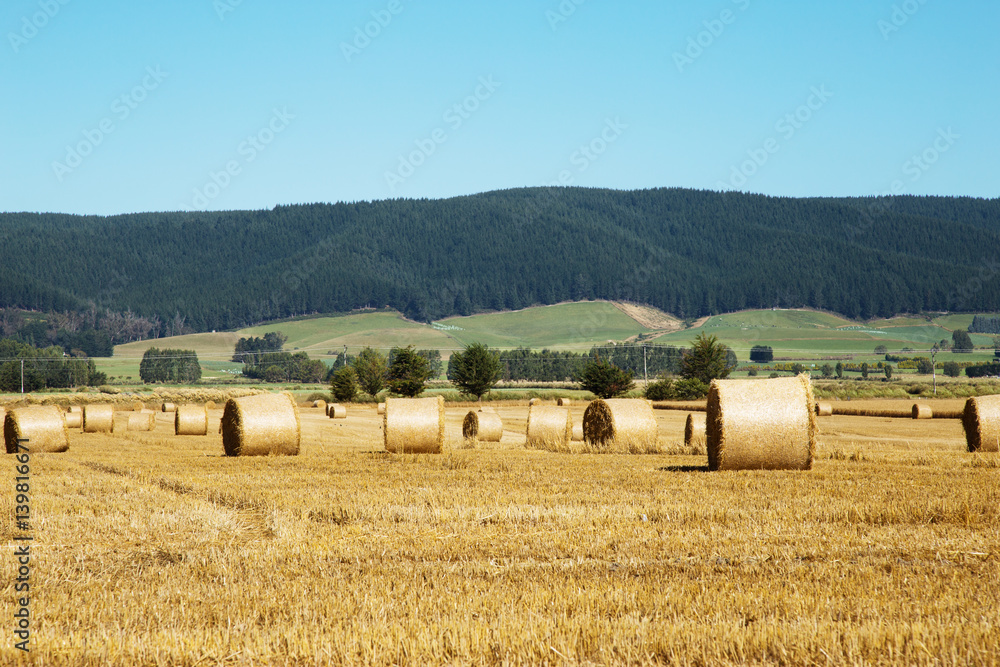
267	90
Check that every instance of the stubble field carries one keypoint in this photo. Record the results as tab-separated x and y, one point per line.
152	549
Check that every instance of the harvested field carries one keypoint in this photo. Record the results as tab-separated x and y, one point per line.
887	552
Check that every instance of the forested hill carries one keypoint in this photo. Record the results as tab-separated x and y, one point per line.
691	253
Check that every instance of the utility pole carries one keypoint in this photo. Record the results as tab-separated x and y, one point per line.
934	351
22	377
645	377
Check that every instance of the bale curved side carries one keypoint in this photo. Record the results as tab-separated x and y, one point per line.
625	424
549	427
43	428
694	429
73	419
761	424
141	421
414	425
577	431
380	409
337	411
261	425
98	418
169	407
483	426
824	410
191	420
981	421
565	402
922	411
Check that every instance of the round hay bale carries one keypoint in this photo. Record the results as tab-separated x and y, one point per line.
381	409
981	421
98	418
534	401
761	424
140	421
43	427
549	427
261	425
210	405
75	408
319	404
484	426
694	430
565	402
922	411
414	425
824	410
623	423
191	420
138	406
337	411
578	431
169	407
73	419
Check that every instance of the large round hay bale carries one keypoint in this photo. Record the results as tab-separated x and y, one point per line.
73	419
622	423
75	408
337	411
694	430
141	421
138	406
922	411
169	407
484	426
43	428
380	409
761	424
414	425
564	402
261	425
549	427
98	418
191	420
319	404
824	410
981	421
578	431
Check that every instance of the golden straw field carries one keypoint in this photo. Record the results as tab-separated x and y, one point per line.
152	549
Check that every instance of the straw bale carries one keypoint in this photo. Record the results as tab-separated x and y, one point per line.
824	410
549	427
141	421
578	431
169	407
922	411
694	429
484	426
210	405
761	424
98	418
414	425
381	408
138	406
43	427
319	404
337	411
534	401
75	408
191	420
982	423
622	423
261	425
565	402
73	419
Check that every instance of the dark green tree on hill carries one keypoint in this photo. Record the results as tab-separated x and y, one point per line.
706	360
371	368
961	341
176	366
408	372
605	380
475	370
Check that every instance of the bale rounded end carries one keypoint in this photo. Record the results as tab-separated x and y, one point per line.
191	420
43	427
483	426
981	421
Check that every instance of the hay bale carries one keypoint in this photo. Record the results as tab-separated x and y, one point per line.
319	404
484	426
261	425
75	408
140	421
534	401
138	406
337	411
623	423
169	407
43	427
577	431
981	421
191	420
210	405
549	427
922	411
824	410
414	425
694	430
98	418
381	408
73	419
761	424
564	402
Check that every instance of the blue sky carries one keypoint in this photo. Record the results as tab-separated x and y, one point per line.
115	107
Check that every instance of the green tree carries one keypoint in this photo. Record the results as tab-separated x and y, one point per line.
371	368
605	380
707	360
475	370
881	349
762	354
180	366
864	370
839	370
887	369
408	372
924	366
961	341
344	384
826	370
275	374
798	369
952	369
